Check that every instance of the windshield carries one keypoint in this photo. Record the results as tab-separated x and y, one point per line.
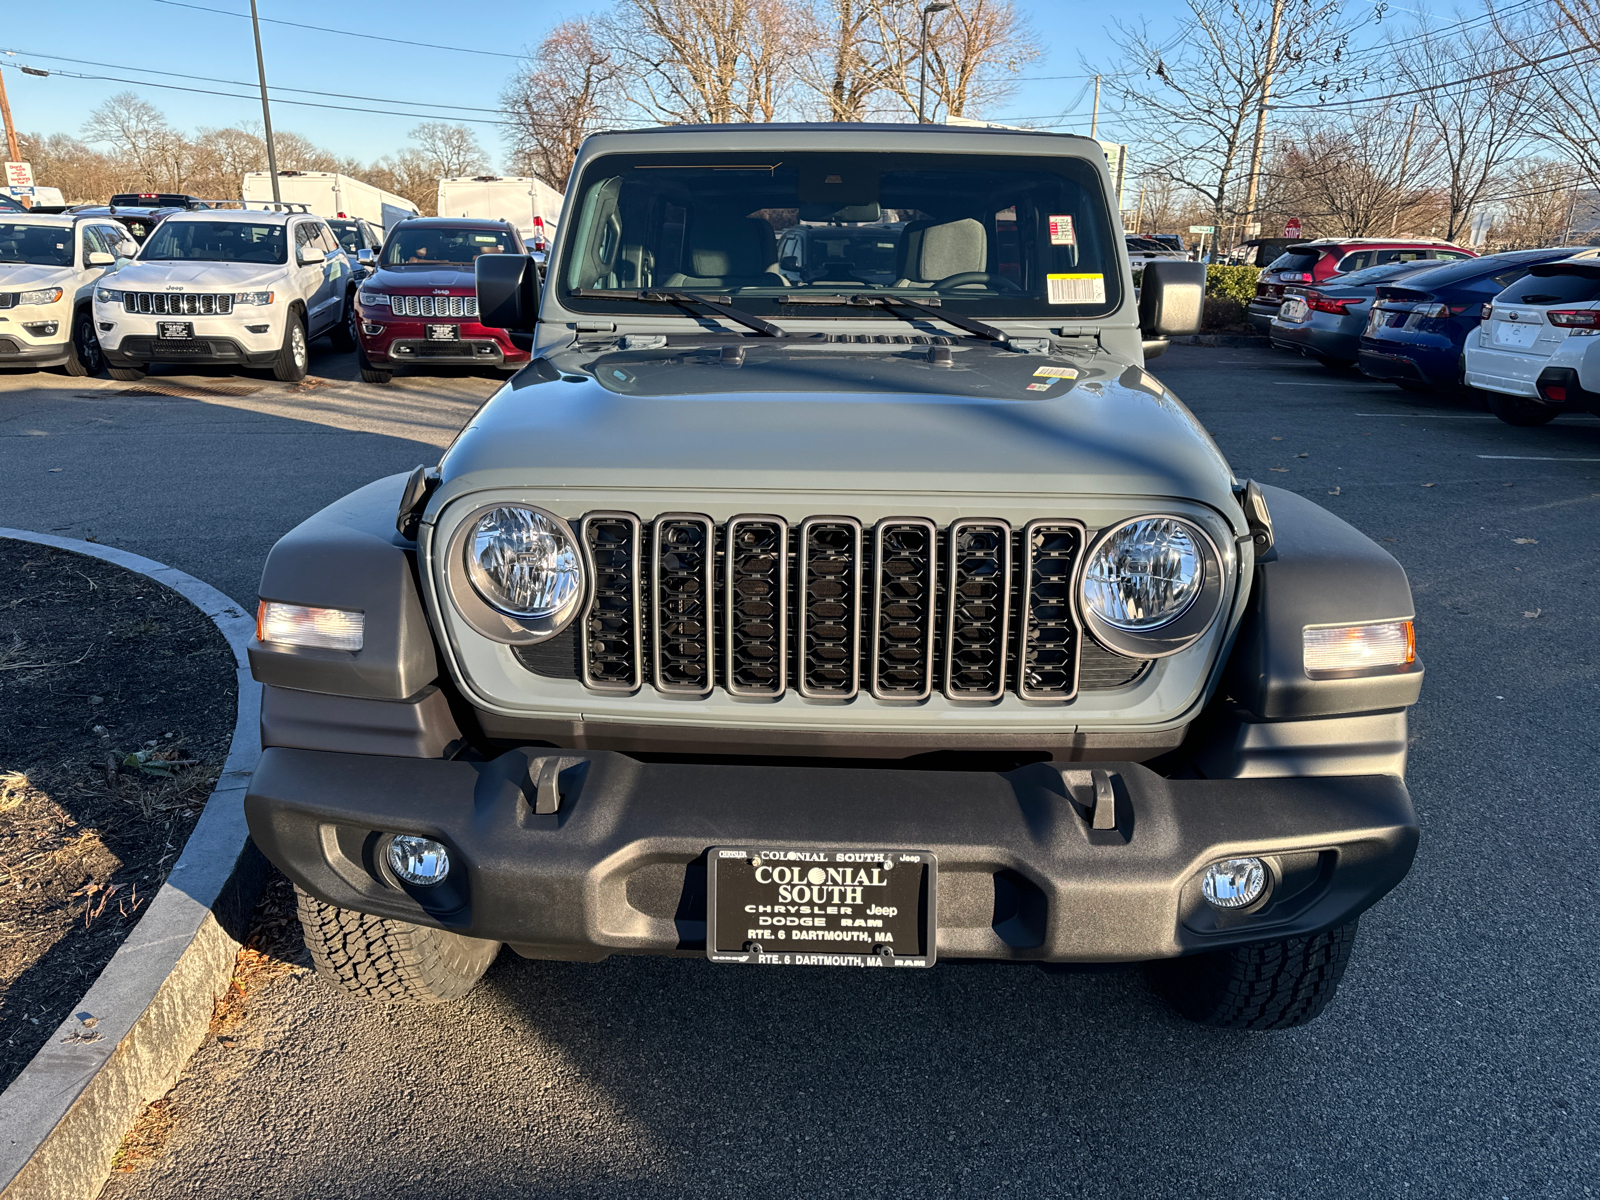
435	244
983	235
216	241
1578	286
1303	261
35	245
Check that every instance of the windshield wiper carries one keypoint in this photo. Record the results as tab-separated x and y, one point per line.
718	305
883	300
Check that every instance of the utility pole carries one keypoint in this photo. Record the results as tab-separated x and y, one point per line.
1405	162
922	87
1094	120
1261	115
11	131
1138	215
266	110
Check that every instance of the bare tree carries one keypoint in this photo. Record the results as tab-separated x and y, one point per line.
847	60
978	47
1535	205
1353	178
139	134
705	61
82	173
569	87
1559	44
409	173
1475	101
1201	96
451	150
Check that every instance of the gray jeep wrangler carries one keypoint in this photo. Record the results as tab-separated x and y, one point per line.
842	622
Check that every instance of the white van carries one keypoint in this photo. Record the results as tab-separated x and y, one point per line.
532	206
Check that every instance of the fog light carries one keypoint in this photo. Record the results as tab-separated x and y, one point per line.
1360	649
48	328
370	329
258	328
298	625
419	860
1234	882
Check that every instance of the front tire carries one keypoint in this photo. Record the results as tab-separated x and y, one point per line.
343	335
1268	985
380	959
1520	410
127	374
84	356
370	373
294	358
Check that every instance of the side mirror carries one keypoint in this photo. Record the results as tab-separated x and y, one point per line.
1172	299
789	263
99	258
364	257
128	248
508	291
311	255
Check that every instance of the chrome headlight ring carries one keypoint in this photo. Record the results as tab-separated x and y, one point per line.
1181	631
467	582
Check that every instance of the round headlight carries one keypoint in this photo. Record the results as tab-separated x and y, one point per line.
1145	575
524	562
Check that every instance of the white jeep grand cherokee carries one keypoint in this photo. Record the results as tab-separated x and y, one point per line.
49	265
224	286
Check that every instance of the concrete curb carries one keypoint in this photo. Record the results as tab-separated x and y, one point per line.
63	1118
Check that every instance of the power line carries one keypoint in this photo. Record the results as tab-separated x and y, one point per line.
1434	87
372	37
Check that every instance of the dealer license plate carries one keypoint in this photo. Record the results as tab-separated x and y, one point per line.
821	907
1293	309
444	333
1520	336
173	331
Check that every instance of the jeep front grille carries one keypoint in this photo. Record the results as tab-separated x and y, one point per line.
900	609
179	304
433	306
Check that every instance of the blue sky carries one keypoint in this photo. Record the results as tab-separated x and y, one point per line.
161	36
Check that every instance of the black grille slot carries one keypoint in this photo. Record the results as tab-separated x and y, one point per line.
613	657
829	586
756	568
978	609
1048	638
683	579
904	554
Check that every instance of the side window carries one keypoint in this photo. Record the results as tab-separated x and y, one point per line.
1450	255
326	240
1394	256
304	235
93	242
1506	278
1359	261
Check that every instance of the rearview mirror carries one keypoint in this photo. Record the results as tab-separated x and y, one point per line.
508	291
1172	298
99	258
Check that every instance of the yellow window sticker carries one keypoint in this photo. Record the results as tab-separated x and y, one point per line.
1075	289
1061	230
1057	372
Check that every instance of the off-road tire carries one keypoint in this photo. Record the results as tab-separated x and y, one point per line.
343	334
1520	410
127	374
84	356
294	357
1269	985
382	959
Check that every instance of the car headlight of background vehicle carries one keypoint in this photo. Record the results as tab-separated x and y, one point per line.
1151	586
108	295
252	297
40	296
516	572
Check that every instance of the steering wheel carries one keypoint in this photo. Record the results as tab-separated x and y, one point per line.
998	282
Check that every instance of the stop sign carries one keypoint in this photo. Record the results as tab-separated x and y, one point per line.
1291	227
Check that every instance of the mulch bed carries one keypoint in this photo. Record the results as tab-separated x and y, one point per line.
117	704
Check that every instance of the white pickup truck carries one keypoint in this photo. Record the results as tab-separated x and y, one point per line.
249	288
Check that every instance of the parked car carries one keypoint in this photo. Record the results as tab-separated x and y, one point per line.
1312	262
239	287
7	204
49	265
158	200
804	625
1325	322
360	240
1173	241
138	219
1143	250
419	307
862	253
1417	328
1538	353
1259	252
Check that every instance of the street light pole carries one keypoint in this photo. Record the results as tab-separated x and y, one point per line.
922	88
266	111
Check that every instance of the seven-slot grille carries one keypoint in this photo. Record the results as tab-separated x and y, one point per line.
179	304
899	609
433	306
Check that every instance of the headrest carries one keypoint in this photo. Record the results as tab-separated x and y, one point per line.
734	248
950	249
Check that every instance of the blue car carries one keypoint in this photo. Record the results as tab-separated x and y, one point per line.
1419	326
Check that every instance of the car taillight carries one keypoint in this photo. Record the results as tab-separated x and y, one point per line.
1294	277
1486	312
538	233
1575	318
1319	303
1433	310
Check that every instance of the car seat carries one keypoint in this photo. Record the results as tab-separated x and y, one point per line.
930	251
730	254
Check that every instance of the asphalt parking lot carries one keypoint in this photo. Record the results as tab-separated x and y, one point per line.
1458	1061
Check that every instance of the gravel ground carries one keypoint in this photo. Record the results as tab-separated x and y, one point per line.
1458	1060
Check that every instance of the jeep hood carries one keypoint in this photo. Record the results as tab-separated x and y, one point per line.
420	279
850	419
199	276
22	277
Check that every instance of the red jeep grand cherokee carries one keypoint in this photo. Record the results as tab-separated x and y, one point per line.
419	306
1312	262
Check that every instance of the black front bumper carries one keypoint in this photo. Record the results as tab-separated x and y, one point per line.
14	352
207	351
620	867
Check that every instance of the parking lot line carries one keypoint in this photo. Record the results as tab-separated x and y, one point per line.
1536	458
